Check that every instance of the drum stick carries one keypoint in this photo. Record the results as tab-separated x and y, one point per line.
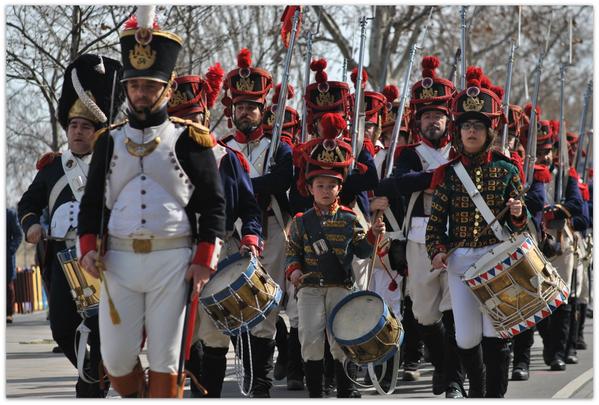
489	225
377	215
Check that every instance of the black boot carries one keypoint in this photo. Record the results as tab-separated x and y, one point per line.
412	349
522	344
560	329
472	359
496	356
544	328
345	387
295	368
194	366
329	370
571	355
434	339
454	371
262	357
580	343
281	342
213	374
314	370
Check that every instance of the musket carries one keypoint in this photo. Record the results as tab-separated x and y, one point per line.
583	124
563	158
404	92
463	46
586	158
357	127
454	66
531	145
508	84
309	36
280	113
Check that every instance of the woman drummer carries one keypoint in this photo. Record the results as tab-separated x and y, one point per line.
476	115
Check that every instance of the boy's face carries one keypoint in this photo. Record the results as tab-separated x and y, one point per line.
325	190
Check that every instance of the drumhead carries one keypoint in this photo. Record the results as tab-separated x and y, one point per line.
496	255
226	276
357	316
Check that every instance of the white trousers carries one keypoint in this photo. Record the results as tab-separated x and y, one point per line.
315	305
380	285
147	290
429	291
291	307
471	324
564	263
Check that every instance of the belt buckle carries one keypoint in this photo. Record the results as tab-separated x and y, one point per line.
142	245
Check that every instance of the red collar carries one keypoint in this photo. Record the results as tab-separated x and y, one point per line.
332	209
477	160
442	142
241	137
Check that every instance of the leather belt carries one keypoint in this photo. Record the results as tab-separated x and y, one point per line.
147	245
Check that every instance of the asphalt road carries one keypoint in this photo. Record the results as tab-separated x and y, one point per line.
32	371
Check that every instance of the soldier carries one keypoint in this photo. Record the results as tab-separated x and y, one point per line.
323	275
477	115
155	175
58	187
429	291
193	100
248	87
557	217
291	121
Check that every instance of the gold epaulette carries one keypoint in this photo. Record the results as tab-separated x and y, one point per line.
198	132
104	130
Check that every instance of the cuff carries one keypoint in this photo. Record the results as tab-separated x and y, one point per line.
438	248
27	220
87	243
252	240
207	254
291	268
520	221
371	237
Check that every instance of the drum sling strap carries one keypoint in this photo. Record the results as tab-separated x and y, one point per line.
331	271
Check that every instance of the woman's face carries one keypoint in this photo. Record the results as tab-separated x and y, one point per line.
474	135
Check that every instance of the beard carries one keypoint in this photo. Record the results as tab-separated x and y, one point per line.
247	125
433	132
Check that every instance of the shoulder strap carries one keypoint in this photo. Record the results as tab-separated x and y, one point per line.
75	171
479	201
405	226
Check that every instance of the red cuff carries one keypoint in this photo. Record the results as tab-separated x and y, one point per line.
207	254
371	237
548	216
87	243
291	268
521	220
252	240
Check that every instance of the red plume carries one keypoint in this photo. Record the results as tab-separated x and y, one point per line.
498	90
554	124
485	82
318	66
287	26
244	58
429	64
474	76
214	78
332	125
391	92
354	76
290	93
528	110
131	23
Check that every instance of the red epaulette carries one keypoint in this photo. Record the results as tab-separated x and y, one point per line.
369	146
516	159
287	140
299	214
439	173
46	159
400	149
242	159
346	209
542	174
584	190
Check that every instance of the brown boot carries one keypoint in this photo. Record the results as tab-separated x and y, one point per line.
132	385
162	385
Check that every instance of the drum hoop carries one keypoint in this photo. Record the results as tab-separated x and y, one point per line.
239	282
247	325
369	335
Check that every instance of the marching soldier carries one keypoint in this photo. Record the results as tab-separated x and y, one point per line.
557	217
248	87
58	187
429	291
477	115
291	121
155	175
193	100
322	277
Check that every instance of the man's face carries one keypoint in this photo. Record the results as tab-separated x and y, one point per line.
325	190
544	156
80	136
369	130
433	124
143	93
247	116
